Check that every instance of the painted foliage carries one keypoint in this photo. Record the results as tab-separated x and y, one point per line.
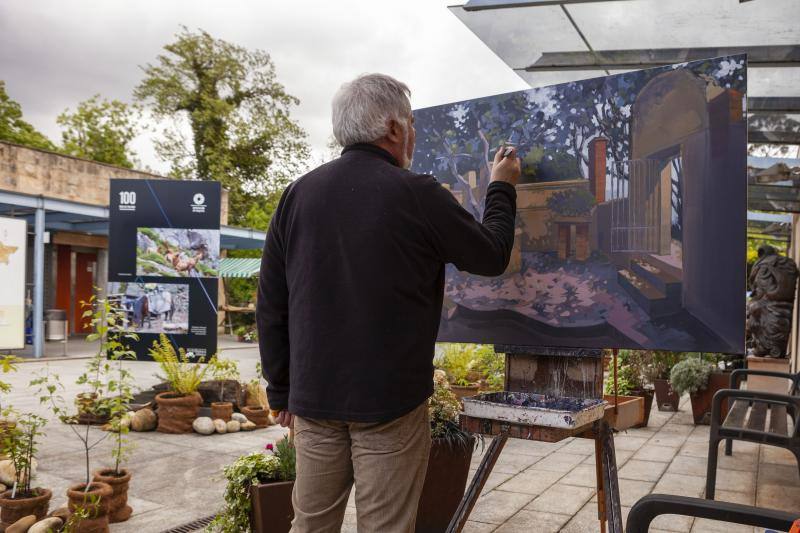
631	210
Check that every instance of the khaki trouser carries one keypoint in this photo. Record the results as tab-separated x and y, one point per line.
387	462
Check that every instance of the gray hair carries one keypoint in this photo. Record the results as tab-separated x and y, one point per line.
363	108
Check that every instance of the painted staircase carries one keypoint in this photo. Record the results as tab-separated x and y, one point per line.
653	284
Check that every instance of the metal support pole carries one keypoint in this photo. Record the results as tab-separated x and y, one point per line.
38	284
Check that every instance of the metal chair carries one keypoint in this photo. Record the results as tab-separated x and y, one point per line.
753	416
648	508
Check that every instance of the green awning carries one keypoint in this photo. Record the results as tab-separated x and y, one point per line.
239	267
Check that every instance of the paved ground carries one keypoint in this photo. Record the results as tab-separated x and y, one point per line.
535	487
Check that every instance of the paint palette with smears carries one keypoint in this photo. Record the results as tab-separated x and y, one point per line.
535	409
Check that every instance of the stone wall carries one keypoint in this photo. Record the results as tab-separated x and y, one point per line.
38	172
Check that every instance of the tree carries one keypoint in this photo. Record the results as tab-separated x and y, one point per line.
238	114
100	130
14	129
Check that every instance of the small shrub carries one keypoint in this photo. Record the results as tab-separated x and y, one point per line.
690	375
182	374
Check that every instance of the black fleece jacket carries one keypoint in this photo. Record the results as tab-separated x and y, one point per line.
352	279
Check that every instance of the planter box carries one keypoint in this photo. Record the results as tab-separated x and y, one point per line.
630	411
647	395
701	400
272	507
666	398
766	383
445	482
534	409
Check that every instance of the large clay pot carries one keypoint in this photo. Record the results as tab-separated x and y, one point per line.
176	412
272	510
13	510
702	399
257	415
221	410
445	481
118	508
94	502
667	399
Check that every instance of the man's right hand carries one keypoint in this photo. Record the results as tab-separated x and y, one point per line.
507	168
284	419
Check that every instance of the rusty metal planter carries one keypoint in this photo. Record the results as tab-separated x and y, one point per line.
272	507
445	481
535	409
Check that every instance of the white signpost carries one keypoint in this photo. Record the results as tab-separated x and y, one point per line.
12	293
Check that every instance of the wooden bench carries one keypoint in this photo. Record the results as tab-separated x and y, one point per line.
754	416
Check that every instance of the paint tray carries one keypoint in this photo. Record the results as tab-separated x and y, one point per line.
535	409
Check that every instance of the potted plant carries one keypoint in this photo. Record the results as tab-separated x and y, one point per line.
258	494
89	501
657	373
256	407
631	381
701	380
119	385
459	362
21	500
448	463
8	421
223	371
179	406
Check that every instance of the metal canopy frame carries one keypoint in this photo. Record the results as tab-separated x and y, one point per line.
480	5
757	56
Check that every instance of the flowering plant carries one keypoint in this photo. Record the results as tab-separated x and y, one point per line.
443	409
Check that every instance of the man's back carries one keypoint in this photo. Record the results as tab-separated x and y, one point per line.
363	245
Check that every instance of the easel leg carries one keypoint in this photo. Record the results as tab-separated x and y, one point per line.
601	492
477	483
613	511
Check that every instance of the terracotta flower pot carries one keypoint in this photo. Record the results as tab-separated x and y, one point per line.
222	410
13	510
257	415
667	399
272	510
94	502
445	481
119	510
463	391
702	399
176	412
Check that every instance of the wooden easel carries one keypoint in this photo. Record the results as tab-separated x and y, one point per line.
550	372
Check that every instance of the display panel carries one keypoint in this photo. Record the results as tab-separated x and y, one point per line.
12	272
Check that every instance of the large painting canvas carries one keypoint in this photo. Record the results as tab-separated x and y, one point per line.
631	210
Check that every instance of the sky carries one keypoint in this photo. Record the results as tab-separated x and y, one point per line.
54	54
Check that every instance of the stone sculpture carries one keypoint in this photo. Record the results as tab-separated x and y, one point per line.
773	282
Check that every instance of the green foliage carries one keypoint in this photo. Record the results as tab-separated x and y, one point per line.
287	460
690	375
100	130
247	470
19	444
660	364
458	360
443	409
182	374
491	365
223	368
238	113
571	202
14	129
105	378
8	363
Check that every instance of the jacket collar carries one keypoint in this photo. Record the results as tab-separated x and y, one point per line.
372	149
